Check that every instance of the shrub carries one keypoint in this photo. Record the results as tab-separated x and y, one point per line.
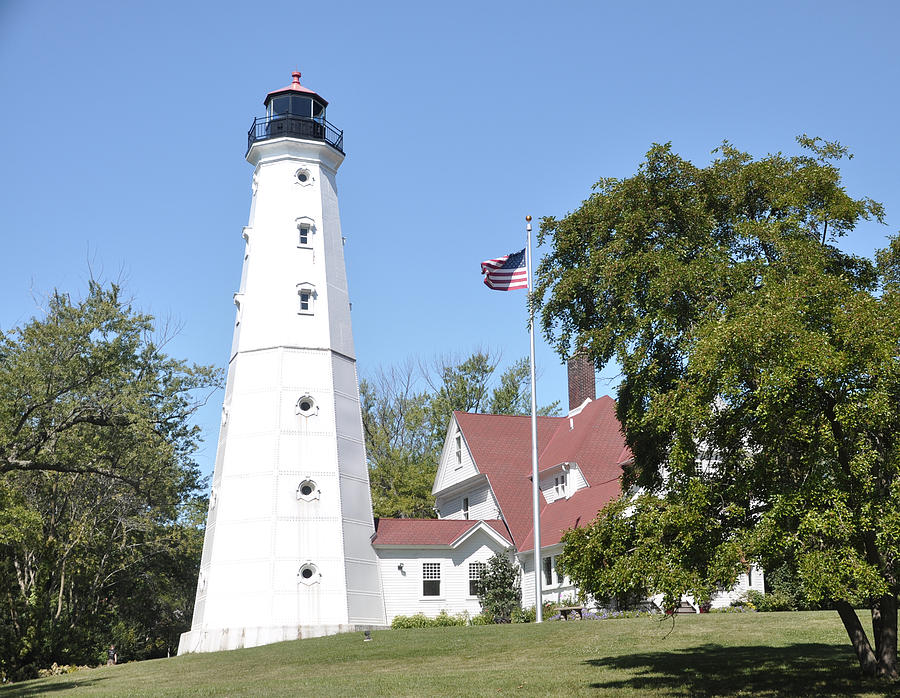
419	620
527	615
776	601
498	591
442	620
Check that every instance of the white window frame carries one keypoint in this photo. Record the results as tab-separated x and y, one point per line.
309	291
309	225
476	571
553	575
431	572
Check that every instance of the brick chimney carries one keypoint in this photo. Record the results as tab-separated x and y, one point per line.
582	382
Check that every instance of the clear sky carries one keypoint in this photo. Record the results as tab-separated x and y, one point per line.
124	128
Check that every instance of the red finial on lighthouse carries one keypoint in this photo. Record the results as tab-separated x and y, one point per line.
296	76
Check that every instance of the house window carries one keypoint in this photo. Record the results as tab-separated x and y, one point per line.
458	450
431	579
476	569
749	577
304	235
465	507
548	570
559	485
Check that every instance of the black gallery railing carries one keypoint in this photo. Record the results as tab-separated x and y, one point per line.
265	127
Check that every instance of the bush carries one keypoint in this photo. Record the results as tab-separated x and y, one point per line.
776	601
498	590
442	620
527	615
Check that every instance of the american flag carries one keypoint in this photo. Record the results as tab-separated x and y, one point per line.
506	273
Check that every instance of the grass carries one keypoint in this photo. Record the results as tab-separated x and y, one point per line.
764	654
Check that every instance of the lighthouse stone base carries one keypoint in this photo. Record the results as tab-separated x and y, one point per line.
218	639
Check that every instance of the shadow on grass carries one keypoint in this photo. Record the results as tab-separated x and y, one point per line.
42	688
812	669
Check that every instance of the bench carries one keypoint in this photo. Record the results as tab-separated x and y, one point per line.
564	611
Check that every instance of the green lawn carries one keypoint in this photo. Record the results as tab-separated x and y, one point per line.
761	654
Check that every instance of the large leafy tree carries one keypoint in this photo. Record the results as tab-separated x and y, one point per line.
406	410
99	533
760	389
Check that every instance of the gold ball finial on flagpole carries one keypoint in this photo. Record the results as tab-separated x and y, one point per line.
528	218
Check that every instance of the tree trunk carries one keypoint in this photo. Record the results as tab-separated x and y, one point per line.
858	639
876	626
886	647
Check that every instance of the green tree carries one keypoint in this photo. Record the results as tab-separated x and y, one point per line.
405	425
498	589
96	483
760	380
399	444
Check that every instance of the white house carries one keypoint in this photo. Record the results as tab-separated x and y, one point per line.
483	497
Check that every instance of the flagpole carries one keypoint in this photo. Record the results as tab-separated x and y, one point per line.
535	483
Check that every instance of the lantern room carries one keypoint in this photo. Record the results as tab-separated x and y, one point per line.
295	112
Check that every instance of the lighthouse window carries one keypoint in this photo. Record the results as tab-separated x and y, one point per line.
306	406
308	574
281	106
307	491
306	295
301	106
304	229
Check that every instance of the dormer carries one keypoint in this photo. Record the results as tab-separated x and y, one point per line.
561	481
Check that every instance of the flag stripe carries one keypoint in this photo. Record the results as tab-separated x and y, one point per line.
506	273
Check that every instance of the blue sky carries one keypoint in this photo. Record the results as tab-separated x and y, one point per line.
125	128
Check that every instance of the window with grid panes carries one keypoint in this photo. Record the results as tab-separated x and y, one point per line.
431	579
476	569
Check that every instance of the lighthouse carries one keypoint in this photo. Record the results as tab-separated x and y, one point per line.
287	552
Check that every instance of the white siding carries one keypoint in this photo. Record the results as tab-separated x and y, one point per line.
757	583
451	469
482	504
559	590
576	479
403	588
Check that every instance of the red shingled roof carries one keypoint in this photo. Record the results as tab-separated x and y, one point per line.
501	448
424	532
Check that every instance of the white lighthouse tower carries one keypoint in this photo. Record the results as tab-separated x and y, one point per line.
288	551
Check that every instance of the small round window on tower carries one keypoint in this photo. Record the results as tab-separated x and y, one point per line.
307	490
304	176
306	406
308	574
